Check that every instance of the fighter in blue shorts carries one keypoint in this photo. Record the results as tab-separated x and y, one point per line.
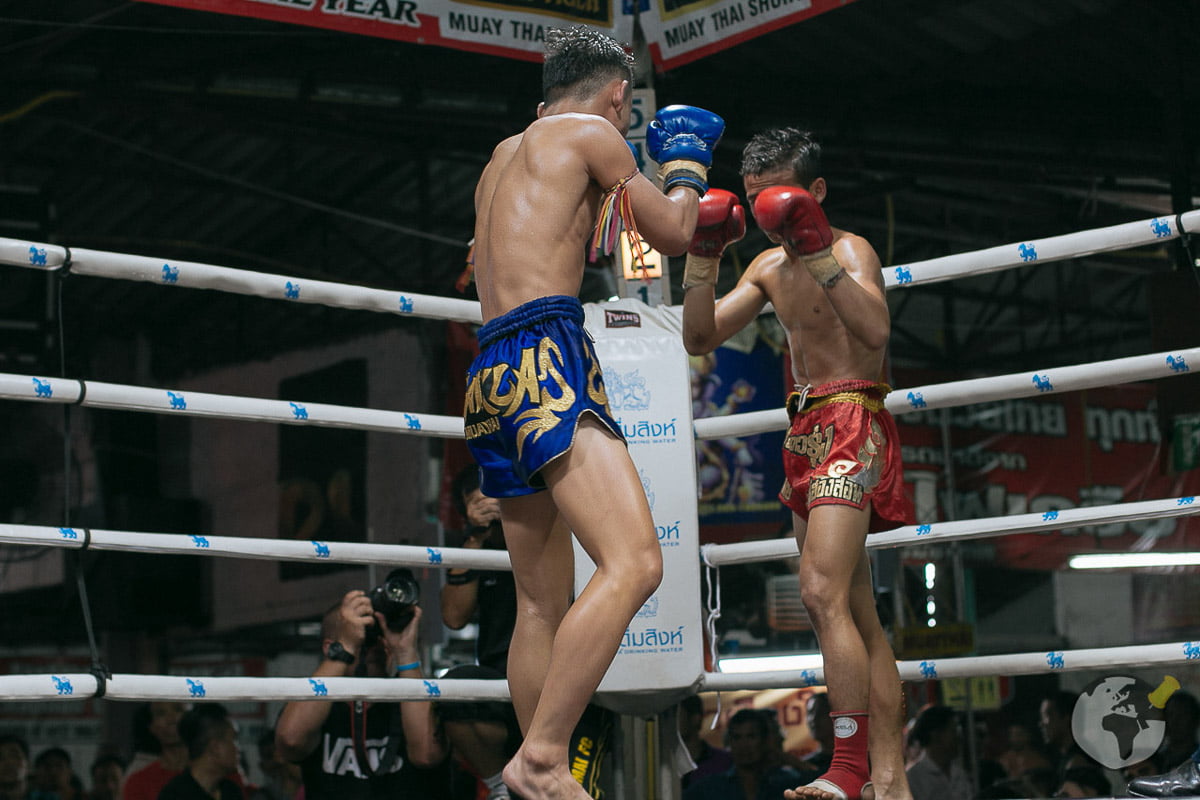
536	416
535	376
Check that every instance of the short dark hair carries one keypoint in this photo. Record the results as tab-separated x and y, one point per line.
52	752
200	726
1063	702
579	61
19	741
751	716
783	147
104	761
930	720
692	704
465	482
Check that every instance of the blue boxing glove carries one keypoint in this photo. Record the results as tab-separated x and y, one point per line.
681	139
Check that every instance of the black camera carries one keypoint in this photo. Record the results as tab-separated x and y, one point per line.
395	598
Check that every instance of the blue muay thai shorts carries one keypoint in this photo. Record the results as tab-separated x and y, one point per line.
535	376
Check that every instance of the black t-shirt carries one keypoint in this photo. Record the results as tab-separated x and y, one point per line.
332	771
497	603
184	787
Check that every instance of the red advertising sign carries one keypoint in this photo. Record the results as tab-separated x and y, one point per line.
1056	452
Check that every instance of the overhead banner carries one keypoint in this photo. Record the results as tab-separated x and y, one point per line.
1048	454
682	31
511	28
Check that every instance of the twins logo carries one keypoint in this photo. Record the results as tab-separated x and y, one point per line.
414	424
1160	227
1176	363
298	411
627	391
170	274
321	549
318	688
435	556
1027	251
929	669
42	388
406	305
1055	659
177	400
291	291
37	256
924	529
808	677
200	542
431	689
62	685
1042	382
195	688
903	276
1191	650
916	400
1050	516
1185	501
68	533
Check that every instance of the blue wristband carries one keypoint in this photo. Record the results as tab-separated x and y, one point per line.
404	667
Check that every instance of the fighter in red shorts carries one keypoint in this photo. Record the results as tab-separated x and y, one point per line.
841	455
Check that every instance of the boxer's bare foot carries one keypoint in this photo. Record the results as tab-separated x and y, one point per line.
540	778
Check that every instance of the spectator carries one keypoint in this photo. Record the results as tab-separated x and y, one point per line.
52	774
1084	782
107	772
709	760
1022	754
283	780
1041	781
752	776
937	773
820	726
1055	725
156	731
363	750
212	747
1182	715
484	735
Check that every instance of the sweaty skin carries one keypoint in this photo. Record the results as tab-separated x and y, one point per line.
536	207
835	333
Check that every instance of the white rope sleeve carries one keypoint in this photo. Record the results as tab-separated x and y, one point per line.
246	547
1165	364
1142	655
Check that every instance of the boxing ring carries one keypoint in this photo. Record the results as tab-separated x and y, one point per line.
681	585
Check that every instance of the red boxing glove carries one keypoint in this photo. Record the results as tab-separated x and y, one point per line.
790	215
721	221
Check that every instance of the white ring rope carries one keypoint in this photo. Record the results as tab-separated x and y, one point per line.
246	547
81	686
982	390
716	555
40	255
95	394
1141	655
921	398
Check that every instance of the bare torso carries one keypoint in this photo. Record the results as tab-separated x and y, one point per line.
823	349
535	213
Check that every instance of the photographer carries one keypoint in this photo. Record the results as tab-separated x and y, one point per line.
362	749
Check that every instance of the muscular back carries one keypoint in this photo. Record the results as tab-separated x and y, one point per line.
535	210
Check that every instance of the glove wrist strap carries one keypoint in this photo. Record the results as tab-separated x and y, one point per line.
824	268
683	172
700	270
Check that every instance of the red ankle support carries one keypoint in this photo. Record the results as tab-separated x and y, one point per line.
849	768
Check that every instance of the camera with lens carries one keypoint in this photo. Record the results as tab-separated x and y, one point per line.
395	599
